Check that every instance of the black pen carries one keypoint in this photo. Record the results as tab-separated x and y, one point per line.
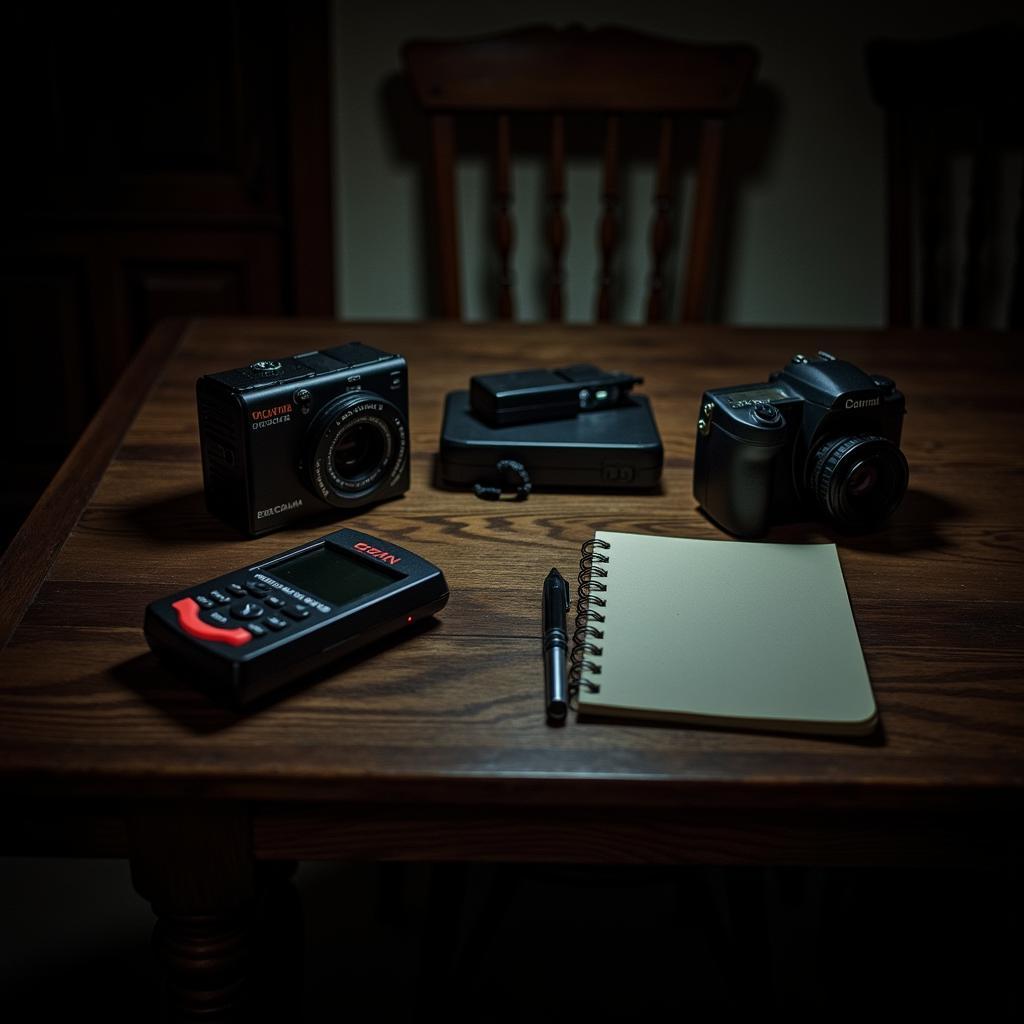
554	605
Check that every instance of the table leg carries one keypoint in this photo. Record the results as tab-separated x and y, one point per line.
279	954
195	867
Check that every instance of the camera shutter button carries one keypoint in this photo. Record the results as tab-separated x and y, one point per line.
766	413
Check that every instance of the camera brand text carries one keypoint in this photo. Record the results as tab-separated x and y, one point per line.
274	510
268	417
860	403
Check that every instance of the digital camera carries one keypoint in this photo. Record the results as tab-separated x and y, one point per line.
284	439
820	437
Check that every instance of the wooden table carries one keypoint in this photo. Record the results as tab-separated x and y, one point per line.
436	747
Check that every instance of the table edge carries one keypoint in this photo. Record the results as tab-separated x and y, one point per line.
33	549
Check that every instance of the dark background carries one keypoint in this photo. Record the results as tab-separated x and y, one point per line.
162	160
173	160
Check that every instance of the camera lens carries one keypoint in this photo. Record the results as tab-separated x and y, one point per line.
861	480
356	445
858	481
358	450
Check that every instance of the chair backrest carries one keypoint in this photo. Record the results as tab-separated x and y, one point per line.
953	105
611	71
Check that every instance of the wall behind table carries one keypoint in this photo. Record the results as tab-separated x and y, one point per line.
806	239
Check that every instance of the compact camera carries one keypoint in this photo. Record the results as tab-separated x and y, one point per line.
284	439
821	436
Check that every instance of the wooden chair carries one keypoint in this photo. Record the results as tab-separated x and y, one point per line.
573	71
950	102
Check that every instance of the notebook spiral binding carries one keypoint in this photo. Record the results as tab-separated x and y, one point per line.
590	586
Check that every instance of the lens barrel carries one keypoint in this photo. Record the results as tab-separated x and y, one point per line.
858	482
358	444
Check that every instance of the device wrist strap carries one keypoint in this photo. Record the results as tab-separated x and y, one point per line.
512	476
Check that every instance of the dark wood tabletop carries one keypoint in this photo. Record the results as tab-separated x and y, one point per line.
435	746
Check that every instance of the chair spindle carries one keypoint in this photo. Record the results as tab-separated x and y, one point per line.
698	271
1016	316
938	274
556	219
502	219
661	228
979	299
443	153
609	229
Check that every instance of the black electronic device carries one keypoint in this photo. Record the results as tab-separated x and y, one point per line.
253	630
284	439
609	449
821	435
531	396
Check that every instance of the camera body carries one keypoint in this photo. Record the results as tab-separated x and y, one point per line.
285	439
821	436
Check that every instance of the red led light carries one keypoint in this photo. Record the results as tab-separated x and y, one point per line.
408	618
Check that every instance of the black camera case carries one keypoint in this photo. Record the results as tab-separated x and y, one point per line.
285	439
612	448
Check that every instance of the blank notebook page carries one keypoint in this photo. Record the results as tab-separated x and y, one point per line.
720	631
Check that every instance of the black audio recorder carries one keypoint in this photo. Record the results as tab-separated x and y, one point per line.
255	629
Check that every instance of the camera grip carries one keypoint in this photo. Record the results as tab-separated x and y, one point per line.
737	479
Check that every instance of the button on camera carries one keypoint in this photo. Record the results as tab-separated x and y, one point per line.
266	366
766	413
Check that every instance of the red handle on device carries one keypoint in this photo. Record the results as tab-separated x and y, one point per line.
188	619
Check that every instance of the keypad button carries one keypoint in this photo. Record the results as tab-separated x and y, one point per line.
255	629
275	622
236	588
257	589
247	610
220	597
218	618
297	611
274	602
203	601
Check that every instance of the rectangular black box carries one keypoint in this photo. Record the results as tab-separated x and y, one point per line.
608	449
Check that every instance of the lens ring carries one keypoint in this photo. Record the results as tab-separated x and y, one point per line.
356	445
858	482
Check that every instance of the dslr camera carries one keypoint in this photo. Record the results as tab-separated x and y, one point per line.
820	437
285	439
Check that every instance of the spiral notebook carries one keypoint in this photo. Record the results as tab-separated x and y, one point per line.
720	633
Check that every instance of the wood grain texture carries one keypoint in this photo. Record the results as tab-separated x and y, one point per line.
682	836
28	557
451	718
612	69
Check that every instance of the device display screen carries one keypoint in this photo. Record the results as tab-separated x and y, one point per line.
739	399
333	575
